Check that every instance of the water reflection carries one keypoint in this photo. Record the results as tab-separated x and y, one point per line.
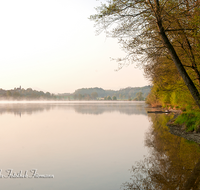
173	162
94	108
22	108
85	145
123	108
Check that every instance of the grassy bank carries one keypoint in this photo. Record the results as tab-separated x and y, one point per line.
177	99
190	120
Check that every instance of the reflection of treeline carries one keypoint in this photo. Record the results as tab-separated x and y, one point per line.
97	109
82	108
173	162
23	108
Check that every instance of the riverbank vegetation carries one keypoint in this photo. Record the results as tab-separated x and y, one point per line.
169	86
189	120
162	37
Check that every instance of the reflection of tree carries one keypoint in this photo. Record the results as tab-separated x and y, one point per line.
96	109
82	108
173	163
20	109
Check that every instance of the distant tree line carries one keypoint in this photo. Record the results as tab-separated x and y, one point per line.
109	98
129	93
137	94
27	94
85	96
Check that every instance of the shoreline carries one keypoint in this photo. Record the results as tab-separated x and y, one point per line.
179	130
176	129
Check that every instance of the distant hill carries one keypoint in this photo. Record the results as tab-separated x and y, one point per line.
132	91
100	91
126	93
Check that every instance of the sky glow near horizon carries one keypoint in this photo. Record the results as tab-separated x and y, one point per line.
51	45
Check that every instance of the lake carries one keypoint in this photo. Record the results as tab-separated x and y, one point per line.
86	145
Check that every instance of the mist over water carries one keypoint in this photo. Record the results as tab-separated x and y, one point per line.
82	107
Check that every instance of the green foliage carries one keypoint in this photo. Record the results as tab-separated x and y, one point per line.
94	95
138	25
174	98
108	98
114	98
190	119
177	98
139	97
154	97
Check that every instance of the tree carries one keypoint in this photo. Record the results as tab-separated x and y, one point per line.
8	93
149	29
48	94
94	95
75	96
87	97
124	97
80	96
139	96
114	98
108	98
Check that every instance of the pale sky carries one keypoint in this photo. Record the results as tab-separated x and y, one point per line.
51	45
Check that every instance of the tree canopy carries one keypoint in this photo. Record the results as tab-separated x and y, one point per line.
161	35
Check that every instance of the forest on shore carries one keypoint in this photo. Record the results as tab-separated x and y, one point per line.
162	37
130	93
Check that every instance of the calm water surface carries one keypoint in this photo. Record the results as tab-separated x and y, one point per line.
85	145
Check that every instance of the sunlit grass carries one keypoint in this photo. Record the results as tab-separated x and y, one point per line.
190	119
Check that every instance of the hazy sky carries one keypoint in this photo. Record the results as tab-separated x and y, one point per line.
51	45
